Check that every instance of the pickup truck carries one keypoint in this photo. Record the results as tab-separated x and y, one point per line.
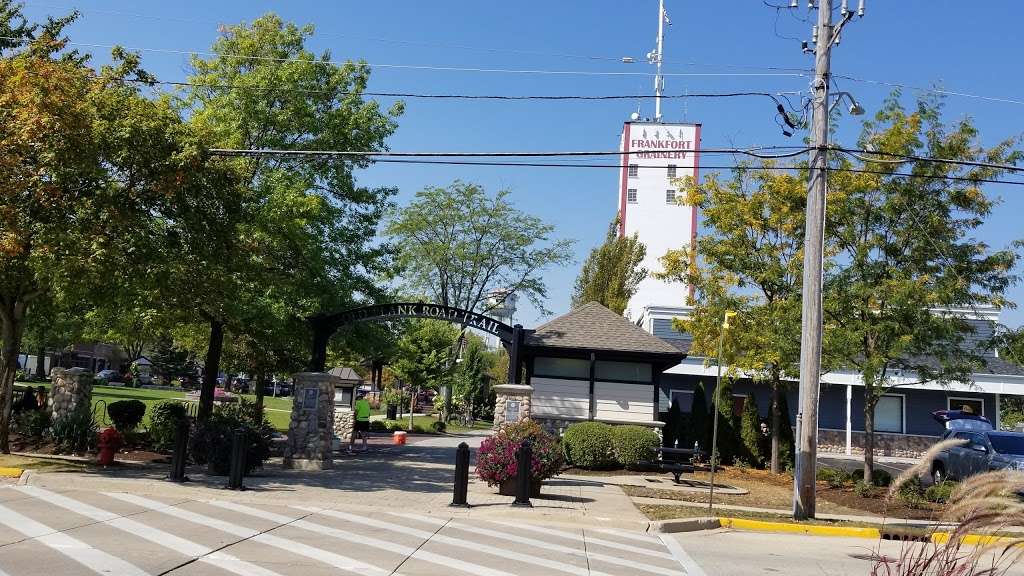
983	448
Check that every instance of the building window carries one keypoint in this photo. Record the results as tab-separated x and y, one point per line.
670	196
561	367
622	371
634	170
973	405
684	399
631	195
738	400
671	170
889	414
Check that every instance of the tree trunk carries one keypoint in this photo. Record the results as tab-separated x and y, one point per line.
41	362
869	433
11	327
776	421
261	385
211	369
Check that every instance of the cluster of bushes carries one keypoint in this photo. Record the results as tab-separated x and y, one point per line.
210	441
496	458
394	425
837	478
740	439
596	445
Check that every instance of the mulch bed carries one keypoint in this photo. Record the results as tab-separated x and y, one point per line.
877	504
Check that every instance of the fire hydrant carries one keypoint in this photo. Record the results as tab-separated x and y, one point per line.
109	443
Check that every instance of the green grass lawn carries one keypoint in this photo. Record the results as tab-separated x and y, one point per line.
424	423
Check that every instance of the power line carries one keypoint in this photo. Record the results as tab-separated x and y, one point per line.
388	154
449	162
932	90
429	44
904	158
431	67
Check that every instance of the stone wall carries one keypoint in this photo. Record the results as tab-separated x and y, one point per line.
344	421
311	430
511	393
901	445
71	390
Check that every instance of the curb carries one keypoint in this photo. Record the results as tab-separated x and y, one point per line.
11	472
684	525
785	527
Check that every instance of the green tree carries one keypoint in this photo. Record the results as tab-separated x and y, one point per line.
751	262
699	428
84	159
302	235
750	431
424	357
472	381
171	362
612	271
458	244
905	252
730	443
787	442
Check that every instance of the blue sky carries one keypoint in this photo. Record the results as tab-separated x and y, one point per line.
969	48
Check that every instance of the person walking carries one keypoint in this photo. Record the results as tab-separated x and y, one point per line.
362	423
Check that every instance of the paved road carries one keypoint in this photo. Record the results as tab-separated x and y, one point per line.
733	553
45	531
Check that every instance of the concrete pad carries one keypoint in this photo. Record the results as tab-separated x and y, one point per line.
374	556
149	556
266	557
377	532
55	518
31	558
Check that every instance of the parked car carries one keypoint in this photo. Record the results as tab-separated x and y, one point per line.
109	375
983	449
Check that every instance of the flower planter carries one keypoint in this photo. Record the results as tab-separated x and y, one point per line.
508	487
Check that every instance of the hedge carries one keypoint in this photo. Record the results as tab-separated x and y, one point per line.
633	445
588	445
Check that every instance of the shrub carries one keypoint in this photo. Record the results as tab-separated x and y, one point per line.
395	425
126	414
834	477
378	426
21	376
878	477
211	440
33	423
633	445
863	489
74	432
911	493
163	423
729	440
496	458
439	427
940	493
588	445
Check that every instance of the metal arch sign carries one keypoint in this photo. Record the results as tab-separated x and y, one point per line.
421	310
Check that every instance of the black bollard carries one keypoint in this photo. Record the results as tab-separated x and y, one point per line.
238	446
180	456
461	476
523	460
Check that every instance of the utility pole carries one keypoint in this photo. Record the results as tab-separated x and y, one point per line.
814	240
655	58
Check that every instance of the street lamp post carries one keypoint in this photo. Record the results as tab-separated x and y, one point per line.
714	404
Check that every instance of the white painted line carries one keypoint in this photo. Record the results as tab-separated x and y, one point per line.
548	565
215	523
688	563
364	540
330	558
161	537
96	560
632	564
588	540
421	518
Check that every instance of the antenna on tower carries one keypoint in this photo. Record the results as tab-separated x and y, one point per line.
654	57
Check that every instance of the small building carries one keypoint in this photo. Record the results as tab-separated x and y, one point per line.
344	388
589	364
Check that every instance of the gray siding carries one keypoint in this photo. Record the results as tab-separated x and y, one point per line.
663	329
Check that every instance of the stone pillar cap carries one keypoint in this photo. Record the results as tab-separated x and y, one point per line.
513	388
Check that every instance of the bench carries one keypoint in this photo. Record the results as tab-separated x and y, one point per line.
679	461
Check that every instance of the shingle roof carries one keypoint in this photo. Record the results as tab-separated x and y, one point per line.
346	373
594	327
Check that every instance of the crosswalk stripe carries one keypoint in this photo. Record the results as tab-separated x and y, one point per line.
461	543
330	558
155	535
588	539
96	560
684	559
364	539
559	548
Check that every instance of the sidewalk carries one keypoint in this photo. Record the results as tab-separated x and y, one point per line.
417	477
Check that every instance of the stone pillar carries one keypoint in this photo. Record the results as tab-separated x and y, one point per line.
71	391
311	430
344	421
512	403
